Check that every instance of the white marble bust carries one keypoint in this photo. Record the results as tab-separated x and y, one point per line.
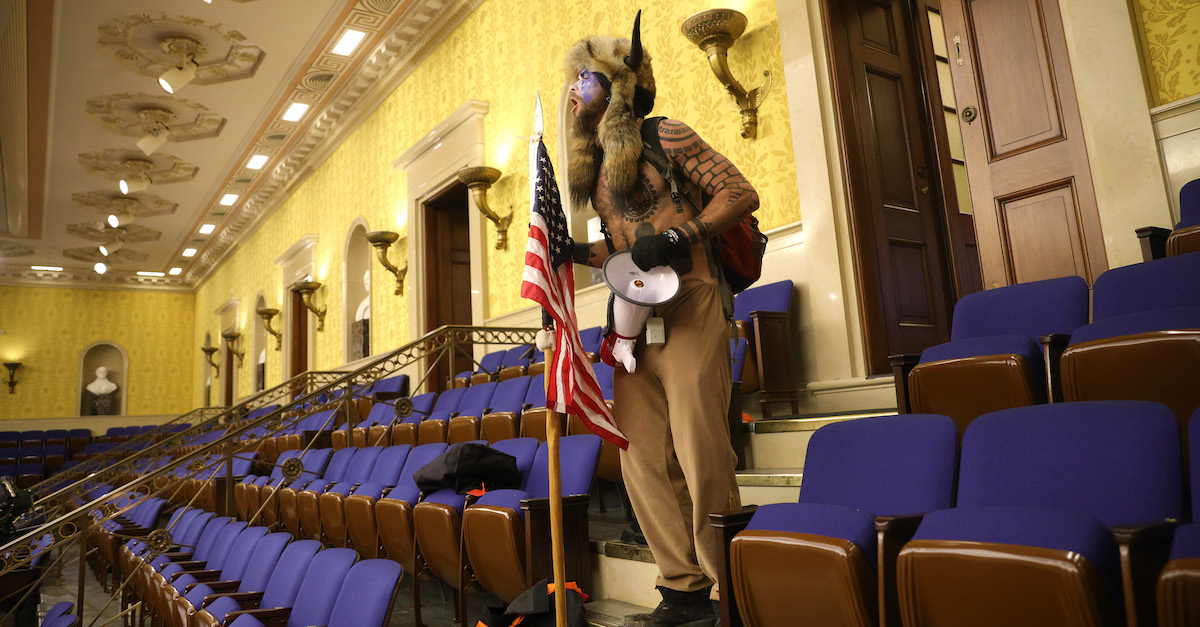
364	307
102	385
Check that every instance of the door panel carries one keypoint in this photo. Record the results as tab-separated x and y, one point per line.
1030	179
1016	81
1038	229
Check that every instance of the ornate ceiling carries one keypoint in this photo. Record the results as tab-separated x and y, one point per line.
252	60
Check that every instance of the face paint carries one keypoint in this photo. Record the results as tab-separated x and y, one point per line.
587	87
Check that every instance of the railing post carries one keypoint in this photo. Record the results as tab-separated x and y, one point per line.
86	531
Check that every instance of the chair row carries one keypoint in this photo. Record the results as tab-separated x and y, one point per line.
1057	514
1031	343
1158	242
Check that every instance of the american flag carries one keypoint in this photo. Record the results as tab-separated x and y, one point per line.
571	386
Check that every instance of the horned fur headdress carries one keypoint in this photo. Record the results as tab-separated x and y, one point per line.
625	71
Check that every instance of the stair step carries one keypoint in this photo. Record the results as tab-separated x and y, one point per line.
810	422
761	486
782	442
610	612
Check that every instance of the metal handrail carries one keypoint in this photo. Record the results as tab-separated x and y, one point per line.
239	437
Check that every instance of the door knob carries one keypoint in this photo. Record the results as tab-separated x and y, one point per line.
969	114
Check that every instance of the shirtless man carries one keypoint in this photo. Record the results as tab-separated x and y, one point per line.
679	466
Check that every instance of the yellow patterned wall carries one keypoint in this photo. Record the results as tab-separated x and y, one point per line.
48	329
1171	38
505	52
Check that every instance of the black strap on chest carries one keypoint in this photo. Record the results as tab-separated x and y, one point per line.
656	156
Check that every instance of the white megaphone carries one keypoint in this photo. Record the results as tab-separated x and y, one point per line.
638	291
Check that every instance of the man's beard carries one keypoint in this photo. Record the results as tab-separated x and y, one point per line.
589	116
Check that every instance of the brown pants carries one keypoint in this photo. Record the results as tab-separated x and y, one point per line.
680	466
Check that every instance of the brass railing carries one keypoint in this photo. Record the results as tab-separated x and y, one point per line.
315	391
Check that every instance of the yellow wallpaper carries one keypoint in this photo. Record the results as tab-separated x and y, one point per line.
1171	36
489	59
48	329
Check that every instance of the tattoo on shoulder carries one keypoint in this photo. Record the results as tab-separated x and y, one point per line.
644	229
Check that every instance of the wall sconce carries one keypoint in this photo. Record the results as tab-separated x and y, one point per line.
305	289
209	351
12	375
715	32
478	180
382	240
266	313
231	339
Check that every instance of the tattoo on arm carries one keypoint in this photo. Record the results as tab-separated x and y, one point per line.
696	230
709	170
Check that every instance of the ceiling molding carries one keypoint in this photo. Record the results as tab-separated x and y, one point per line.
150	45
20	275
424	25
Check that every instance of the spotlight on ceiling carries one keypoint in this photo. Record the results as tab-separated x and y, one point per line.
136	184
100	268
154	139
112	247
175	78
118	220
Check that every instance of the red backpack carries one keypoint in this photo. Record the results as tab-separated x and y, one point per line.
739	250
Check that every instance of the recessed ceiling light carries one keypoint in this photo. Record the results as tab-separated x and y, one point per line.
100	268
257	162
229	199
207	228
47	268
349	41
175	271
189	252
295	112
147	273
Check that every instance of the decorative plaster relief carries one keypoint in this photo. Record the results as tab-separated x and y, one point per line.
138	205
91	254
124	163
134	115
99	232
150	45
13	249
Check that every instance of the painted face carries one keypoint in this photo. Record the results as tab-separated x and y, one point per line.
587	87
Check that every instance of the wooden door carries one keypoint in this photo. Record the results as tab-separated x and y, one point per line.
297	336
448	272
903	284
1030	180
949	177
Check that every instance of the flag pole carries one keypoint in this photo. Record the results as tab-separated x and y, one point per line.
553	432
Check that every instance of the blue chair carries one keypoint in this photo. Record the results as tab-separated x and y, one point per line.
1178	592
280	591
1042	491
762	315
502	420
497	529
463	426
404	430
995	359
489	367
254	577
313	601
358	470
590	339
384	474
1144	339
364	598
437	520
866	484
516	362
385	517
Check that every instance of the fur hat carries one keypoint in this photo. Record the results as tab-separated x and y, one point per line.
630	76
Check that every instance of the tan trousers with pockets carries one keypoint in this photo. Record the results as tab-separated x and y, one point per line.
680	466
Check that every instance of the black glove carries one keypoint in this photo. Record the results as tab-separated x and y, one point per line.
658	250
581	253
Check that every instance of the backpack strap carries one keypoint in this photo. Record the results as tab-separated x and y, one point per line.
656	156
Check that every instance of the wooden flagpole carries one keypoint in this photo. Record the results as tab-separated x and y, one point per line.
553	431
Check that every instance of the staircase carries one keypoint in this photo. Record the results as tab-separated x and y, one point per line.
623	574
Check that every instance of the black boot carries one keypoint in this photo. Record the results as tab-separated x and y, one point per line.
677	609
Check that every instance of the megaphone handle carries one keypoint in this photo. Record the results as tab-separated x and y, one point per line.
681	265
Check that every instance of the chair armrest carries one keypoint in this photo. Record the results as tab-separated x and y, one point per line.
178	556
1153	240
1053	345
223	586
273	614
205	576
191	565
1144	548
728	524
891	534
902	365
240	597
